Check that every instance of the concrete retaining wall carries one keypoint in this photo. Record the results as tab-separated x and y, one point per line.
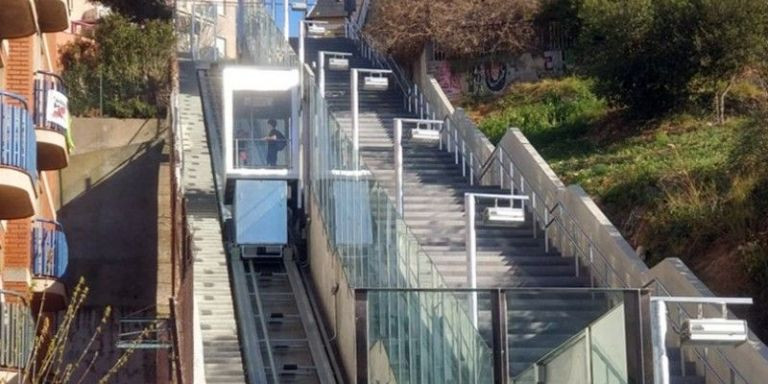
336	297
96	134
110	210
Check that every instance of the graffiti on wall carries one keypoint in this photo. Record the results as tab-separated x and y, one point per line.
493	77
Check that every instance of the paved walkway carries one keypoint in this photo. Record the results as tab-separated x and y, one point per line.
219	352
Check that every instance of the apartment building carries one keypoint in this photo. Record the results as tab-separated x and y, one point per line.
34	120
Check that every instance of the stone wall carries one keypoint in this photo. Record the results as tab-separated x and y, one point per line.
110	209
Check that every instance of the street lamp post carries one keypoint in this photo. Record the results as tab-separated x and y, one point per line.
286	19
399	190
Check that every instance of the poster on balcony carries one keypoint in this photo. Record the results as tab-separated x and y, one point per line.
56	109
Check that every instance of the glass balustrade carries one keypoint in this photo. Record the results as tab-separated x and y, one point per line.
547	335
377	249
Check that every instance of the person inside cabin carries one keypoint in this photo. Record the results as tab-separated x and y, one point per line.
242	144
275	142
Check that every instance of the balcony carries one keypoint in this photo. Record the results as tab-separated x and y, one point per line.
18	158
51	121
52	15
17	19
16	335
50	256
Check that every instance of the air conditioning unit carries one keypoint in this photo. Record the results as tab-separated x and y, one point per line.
375	83
338	64
262	252
316	30
713	332
425	134
503	215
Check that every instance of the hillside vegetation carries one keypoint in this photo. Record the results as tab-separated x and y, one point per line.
677	185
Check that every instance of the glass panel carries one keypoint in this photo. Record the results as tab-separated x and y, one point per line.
566	336
416	342
570	365
609	352
262	129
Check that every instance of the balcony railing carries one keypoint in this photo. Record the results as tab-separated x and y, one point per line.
18	148
51	109
49	250
51	121
16	331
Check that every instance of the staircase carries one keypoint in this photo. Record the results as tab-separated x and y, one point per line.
219	347
434	191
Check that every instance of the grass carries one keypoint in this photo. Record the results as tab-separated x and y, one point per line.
679	186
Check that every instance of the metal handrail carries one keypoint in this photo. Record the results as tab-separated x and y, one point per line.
702	357
557	219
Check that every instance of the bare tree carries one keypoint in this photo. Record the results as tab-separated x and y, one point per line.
461	28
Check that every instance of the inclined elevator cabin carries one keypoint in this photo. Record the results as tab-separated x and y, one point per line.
260	141
261	156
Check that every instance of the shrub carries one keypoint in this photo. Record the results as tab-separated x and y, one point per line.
653	55
546	111
125	68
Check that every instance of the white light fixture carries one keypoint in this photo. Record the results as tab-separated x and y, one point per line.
713	332
351	173
423	132
338	64
316	30
299	6
503	215
375	83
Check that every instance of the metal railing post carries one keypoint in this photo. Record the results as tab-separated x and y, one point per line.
361	335
301	55
463	161
533	214
546	230
321	65
499	330
355	120
501	168
659	335
286	18
399	165
471	170
469	207
456	148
